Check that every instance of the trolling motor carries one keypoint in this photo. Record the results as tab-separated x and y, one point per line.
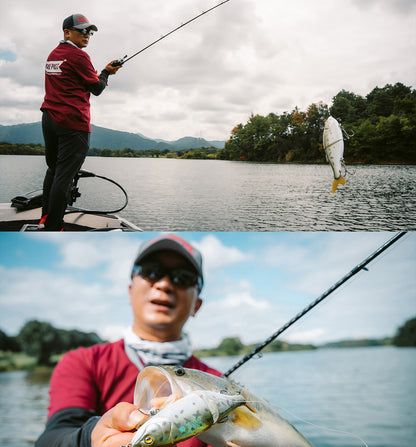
33	199
74	193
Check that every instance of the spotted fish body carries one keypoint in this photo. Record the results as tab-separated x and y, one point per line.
216	410
185	418
333	143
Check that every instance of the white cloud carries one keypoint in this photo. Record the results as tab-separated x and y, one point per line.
246	56
237	314
311	336
60	298
244	297
216	255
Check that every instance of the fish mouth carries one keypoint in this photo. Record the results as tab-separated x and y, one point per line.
155	389
159	386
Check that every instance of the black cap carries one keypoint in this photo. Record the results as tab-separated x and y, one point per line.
78	21
174	243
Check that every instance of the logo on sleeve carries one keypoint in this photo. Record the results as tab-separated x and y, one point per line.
53	67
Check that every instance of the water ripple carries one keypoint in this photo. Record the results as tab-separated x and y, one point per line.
205	195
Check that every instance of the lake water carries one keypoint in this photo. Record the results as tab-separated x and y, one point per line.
369	393
214	195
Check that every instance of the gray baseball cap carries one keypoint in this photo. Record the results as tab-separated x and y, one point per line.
78	21
174	243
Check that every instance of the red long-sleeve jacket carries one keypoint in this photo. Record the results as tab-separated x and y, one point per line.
88	382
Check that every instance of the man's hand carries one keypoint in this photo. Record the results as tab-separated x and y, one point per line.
114	429
111	69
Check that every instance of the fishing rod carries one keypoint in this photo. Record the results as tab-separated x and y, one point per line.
124	59
354	271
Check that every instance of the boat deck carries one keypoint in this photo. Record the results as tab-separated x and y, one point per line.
12	219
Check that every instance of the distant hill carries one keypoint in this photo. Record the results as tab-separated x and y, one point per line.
103	138
192	143
358	343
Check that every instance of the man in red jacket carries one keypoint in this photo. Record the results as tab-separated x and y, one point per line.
69	79
91	390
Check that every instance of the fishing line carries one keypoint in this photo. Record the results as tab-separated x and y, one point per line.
321	427
124	59
353	272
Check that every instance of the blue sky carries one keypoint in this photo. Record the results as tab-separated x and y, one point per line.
247	56
255	282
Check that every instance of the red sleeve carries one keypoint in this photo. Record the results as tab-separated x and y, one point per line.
85	70
72	383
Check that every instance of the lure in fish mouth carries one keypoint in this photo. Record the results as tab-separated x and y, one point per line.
182	403
333	143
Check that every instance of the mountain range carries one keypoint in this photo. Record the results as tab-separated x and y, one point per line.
103	138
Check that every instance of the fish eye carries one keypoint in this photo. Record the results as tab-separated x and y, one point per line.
179	371
148	440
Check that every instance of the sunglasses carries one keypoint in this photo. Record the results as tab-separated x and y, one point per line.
84	31
180	276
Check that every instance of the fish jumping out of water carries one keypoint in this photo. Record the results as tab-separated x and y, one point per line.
333	142
216	410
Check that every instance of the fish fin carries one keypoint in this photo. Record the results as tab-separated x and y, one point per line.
338	181
248	403
231	444
244	417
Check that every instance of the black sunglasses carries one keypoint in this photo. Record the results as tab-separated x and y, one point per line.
84	31
180	276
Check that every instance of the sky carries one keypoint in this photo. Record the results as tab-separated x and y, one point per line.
254	284
245	57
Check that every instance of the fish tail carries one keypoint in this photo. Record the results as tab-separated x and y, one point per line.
338	181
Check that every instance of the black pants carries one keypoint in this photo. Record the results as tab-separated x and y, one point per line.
65	151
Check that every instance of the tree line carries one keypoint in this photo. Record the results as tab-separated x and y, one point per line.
21	149
383	125
203	153
41	340
405	337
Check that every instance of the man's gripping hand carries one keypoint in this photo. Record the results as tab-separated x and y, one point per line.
114	428
112	69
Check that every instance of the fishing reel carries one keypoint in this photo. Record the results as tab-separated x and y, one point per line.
119	62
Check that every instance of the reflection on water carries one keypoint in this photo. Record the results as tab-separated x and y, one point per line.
23	403
204	195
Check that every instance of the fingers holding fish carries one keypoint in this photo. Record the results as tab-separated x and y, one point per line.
115	427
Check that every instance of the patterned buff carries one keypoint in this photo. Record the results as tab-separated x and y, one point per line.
145	353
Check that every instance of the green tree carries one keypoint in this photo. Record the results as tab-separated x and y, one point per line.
39	339
383	101
106	153
231	346
406	334
8	343
348	107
